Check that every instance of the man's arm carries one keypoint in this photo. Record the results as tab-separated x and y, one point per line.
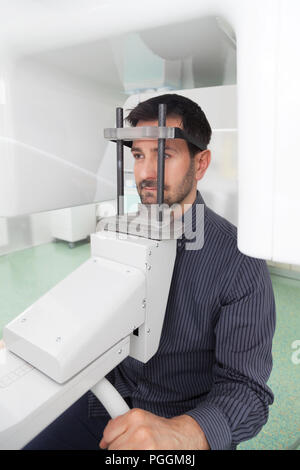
236	408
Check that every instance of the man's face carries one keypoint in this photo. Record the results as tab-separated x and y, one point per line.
180	172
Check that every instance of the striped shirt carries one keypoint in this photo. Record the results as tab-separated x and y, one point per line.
214	356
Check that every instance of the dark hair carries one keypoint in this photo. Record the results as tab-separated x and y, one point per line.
194	121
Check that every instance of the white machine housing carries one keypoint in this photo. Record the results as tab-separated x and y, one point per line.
30	401
122	288
111	307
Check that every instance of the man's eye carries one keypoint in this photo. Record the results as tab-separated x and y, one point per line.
137	156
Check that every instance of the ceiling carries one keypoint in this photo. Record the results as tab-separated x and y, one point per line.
198	53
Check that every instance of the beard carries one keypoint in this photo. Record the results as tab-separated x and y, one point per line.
172	195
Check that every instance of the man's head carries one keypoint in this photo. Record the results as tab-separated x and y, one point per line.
185	164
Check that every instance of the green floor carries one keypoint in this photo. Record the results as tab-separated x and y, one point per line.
28	274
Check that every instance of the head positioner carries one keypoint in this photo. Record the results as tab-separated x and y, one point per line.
128	134
125	136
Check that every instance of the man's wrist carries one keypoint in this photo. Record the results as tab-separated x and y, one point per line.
190	428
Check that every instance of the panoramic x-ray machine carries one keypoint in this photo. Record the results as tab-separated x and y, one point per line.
67	341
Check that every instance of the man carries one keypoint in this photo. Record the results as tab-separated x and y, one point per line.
205	388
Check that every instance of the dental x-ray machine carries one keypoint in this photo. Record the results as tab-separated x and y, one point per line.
67	341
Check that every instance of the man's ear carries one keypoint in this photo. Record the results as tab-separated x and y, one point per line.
202	161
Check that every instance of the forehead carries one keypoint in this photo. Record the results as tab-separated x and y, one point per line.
178	145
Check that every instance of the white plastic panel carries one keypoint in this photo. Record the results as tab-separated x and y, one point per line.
257	107
79	319
286	170
30	401
150	256
268	103
51	146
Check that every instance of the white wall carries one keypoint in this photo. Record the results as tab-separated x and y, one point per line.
18	233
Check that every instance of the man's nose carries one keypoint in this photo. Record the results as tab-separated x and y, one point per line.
149	169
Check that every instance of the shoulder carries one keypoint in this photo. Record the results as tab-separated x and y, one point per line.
221	238
215	223
219	224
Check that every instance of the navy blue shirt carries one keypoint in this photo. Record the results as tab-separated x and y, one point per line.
214	356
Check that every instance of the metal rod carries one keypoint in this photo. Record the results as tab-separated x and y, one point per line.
162	114
120	165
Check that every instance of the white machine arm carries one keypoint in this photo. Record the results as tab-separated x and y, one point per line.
80	330
30	401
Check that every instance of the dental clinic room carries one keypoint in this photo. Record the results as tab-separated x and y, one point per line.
149	225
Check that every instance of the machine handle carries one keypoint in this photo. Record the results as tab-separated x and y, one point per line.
110	398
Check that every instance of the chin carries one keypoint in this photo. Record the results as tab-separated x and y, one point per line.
148	200
148	197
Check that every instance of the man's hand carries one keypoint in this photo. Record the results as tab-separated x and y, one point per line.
2	344
140	430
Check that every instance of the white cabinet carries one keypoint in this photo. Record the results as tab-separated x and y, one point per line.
74	223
